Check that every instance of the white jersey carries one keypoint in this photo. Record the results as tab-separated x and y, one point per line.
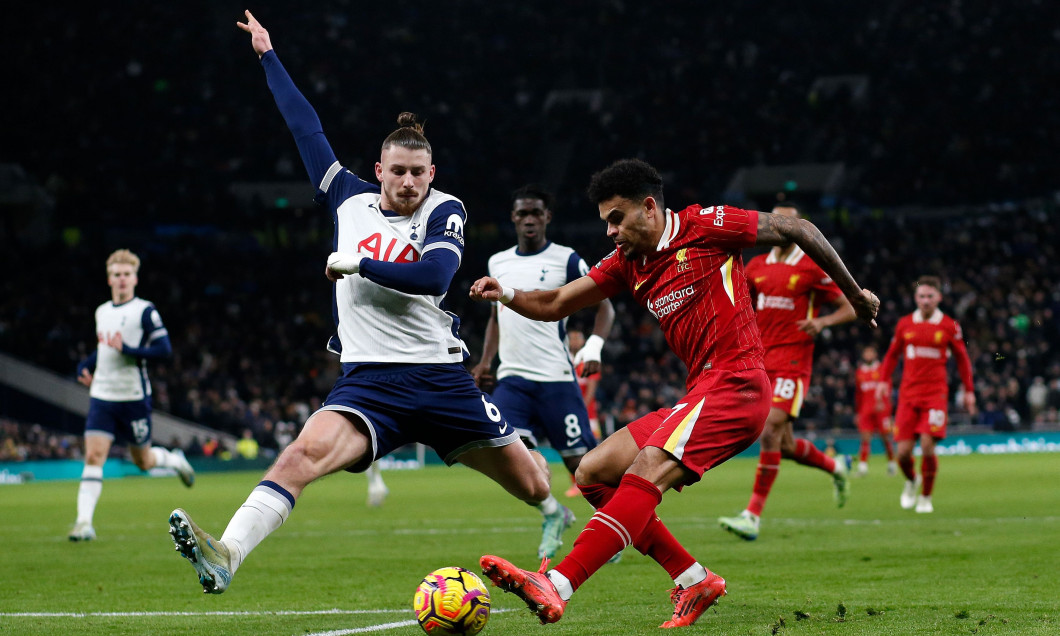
532	349
376	323
118	377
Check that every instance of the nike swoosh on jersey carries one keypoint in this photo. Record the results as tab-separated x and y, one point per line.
636	285
504	428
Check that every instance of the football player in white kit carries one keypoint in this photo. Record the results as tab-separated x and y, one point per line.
397	246
537	389
129	332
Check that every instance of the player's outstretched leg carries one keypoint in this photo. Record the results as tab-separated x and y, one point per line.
552	531
691	602
210	558
534	588
744	525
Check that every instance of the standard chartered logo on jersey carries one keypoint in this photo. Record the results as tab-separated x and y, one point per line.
669	303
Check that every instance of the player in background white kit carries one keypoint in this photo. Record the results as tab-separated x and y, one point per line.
397	246
129	332
537	389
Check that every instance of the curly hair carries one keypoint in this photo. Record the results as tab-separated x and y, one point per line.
628	178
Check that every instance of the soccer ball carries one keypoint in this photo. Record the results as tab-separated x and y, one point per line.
451	601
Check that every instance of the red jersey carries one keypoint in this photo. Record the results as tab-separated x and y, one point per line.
583	384
926	345
868	377
694	284
785	292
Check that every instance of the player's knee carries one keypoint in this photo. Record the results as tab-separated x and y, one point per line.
535	489
592	469
302	455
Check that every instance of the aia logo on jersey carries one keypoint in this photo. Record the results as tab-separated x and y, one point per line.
682	259
373	246
793	282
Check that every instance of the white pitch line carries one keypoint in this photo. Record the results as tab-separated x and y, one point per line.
143	614
379	628
364	630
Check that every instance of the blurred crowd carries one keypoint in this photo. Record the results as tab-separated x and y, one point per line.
1001	282
938	111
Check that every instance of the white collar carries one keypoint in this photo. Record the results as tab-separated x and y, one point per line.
673	227
935	319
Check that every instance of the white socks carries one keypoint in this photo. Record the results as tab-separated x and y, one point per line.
163	458
264	511
694	574
549	506
562	584
88	493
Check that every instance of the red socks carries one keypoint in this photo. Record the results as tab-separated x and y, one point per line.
863	452
611	529
655	541
768	467
929	465
597	494
808	455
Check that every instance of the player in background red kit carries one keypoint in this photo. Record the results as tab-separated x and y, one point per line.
925	338
873	410
788	289
686	269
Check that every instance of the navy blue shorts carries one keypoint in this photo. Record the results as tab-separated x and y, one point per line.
127	422
438	405
552	411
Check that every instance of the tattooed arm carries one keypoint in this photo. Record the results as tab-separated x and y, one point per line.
776	229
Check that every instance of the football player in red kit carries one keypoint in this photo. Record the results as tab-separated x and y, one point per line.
873	410
788	289
925	338
685	267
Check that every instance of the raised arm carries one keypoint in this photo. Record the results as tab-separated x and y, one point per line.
777	229
546	305
302	120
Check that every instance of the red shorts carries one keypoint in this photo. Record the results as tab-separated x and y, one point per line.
723	414
789	390
874	422
913	420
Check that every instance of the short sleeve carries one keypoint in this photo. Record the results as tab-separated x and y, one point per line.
609	275
727	227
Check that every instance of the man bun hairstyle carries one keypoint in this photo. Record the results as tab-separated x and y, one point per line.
408	135
930	281
631	179
123	257
534	191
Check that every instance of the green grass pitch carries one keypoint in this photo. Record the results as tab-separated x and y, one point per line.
985	562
